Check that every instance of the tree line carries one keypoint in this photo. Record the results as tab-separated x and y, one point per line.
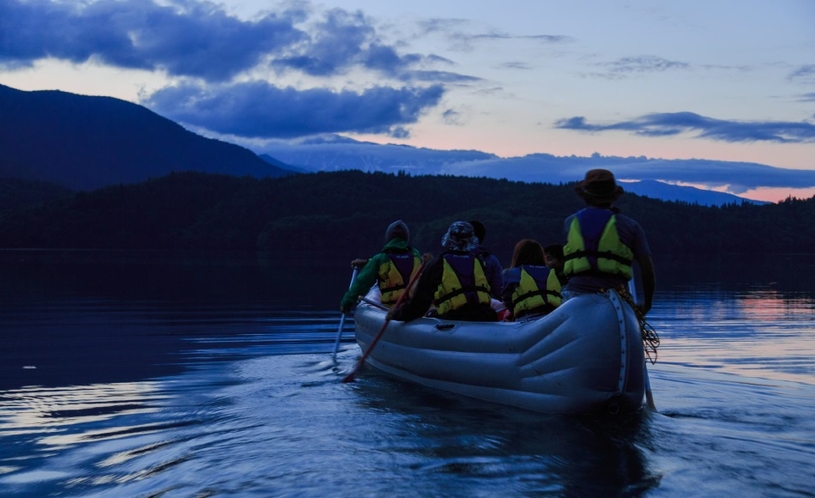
346	213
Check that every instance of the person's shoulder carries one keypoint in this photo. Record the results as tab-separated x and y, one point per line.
624	219
514	272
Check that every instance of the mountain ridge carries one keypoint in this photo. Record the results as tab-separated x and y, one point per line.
87	142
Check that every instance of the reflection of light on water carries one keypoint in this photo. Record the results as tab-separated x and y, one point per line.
59	414
761	333
771	305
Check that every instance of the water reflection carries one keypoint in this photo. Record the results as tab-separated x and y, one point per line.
515	451
761	332
118	381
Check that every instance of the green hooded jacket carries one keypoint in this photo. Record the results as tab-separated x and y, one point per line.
369	273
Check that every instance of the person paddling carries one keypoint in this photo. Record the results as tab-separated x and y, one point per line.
602	244
454	282
391	269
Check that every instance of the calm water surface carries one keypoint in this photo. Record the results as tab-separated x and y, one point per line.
165	375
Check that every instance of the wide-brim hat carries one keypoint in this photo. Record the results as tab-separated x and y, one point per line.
599	186
460	237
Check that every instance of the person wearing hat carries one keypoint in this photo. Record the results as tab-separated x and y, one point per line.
391	269
602	244
454	282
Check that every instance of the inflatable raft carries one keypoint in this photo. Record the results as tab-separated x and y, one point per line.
586	356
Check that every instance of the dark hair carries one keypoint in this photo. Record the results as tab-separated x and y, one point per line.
555	250
479	230
527	252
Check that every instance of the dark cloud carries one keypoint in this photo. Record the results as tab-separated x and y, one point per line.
195	38
667	124
808	97
182	37
261	110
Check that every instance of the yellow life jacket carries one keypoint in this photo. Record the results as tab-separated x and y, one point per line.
537	291
593	245
394	274
463	281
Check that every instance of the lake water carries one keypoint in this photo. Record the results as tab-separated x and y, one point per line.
153	374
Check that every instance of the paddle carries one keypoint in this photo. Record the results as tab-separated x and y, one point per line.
342	318
350	376
649	396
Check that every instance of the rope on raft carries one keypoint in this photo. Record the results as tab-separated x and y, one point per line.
650	338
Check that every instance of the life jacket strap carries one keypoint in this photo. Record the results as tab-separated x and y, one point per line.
458	292
538	292
598	254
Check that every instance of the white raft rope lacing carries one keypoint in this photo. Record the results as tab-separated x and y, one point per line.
650	338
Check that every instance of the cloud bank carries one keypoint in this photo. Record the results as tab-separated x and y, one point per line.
259	109
675	123
212	55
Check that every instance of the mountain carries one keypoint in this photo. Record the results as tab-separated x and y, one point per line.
84	143
667	192
657	177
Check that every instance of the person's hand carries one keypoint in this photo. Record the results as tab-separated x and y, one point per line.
427	257
359	263
345	309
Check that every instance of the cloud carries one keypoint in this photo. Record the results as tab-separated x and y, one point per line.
628	66
179	37
454	29
805	74
261	110
644	64
438	76
516	65
735	177
342	40
505	36
190	38
807	97
669	124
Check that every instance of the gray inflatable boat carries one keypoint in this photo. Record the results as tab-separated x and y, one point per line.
586	356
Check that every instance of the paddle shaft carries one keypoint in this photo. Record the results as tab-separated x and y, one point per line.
342	317
352	374
649	396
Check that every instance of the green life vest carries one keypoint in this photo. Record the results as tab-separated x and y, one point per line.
463	281
593	245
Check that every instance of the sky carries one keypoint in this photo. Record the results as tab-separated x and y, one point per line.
729	80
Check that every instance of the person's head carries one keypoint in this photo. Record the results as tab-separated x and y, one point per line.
479	230
598	188
397	229
527	252
460	237
553	255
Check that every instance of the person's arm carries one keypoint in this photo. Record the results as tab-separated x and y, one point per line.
419	302
365	279
510	279
495	276
649	281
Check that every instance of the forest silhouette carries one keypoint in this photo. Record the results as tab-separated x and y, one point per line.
345	213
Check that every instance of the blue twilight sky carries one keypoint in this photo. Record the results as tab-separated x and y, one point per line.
730	80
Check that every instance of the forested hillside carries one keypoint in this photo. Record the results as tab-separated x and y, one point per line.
347	212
